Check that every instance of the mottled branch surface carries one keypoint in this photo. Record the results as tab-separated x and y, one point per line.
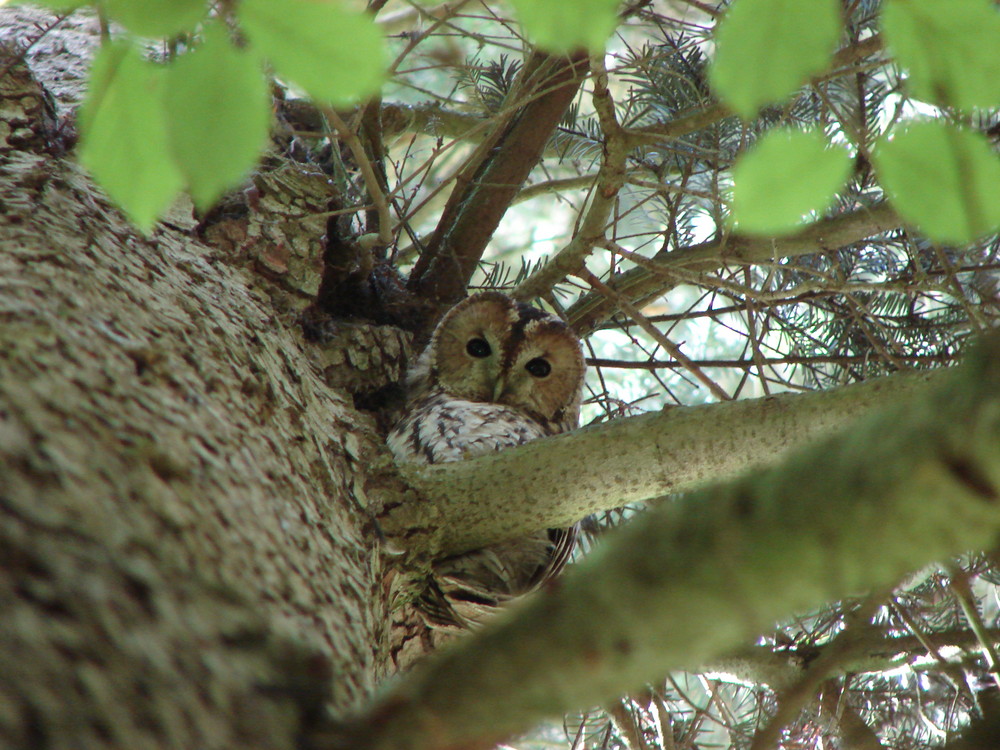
561	479
908	485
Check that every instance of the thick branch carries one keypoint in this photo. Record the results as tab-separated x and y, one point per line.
914	483
559	480
489	185
640	284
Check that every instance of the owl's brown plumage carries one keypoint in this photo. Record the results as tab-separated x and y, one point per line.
495	374
489	349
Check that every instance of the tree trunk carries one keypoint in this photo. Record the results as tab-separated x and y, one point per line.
187	559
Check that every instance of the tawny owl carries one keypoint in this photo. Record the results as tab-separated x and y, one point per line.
495	374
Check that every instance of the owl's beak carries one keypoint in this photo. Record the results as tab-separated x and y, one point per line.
498	390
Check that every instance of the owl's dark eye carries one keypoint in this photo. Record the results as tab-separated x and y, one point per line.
538	367
478	348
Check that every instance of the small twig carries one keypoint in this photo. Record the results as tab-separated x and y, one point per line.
553	186
745	364
23	52
350	138
705	8
755	340
854	733
448	11
698	119
626	722
791	700
629	309
963	593
639	284
339	212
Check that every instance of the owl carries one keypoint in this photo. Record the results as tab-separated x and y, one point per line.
495	374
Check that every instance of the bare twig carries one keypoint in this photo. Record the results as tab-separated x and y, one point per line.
350	137
610	179
629	309
791	700
639	284
744	364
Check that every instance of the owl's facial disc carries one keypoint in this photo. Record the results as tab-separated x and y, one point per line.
544	372
469	345
491	349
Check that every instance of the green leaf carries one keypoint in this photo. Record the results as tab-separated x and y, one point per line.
60	6
943	179
156	18
950	47
123	128
335	54
565	25
788	175
219	111
765	49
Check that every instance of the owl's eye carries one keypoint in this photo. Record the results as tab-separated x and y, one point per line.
538	367
478	348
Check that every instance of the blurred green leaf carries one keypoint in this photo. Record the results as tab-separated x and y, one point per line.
335	54
766	49
943	179
565	25
219	112
156	18
124	142
951	49
786	176
60	6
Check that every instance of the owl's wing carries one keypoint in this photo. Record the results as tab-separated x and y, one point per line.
467	589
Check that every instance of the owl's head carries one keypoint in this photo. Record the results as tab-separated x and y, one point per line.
489	348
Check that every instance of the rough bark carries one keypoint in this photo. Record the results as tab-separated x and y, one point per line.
186	561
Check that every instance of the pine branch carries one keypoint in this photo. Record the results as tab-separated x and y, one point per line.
641	285
610	179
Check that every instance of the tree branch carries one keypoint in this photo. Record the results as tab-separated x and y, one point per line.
872	651
610	179
488	186
640	284
914	483
559	480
